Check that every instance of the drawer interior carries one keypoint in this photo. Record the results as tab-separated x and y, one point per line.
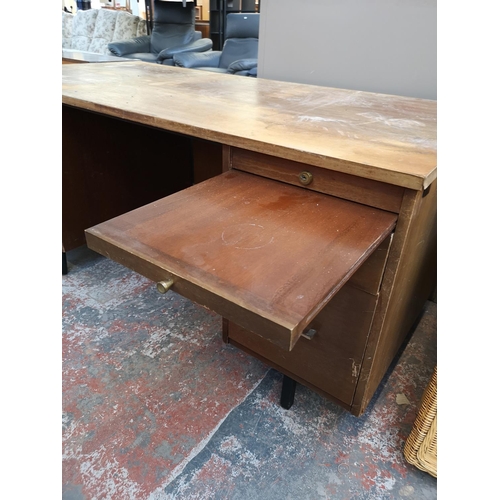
266	255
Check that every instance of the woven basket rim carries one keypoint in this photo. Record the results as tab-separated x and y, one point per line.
420	448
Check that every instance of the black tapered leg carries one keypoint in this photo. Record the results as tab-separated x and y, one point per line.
287	392
64	263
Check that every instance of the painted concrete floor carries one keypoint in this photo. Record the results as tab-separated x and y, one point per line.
155	406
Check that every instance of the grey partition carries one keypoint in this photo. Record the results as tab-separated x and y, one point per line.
386	46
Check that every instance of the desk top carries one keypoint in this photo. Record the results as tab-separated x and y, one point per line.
73	55
377	136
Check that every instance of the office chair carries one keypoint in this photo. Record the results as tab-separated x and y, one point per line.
239	53
173	32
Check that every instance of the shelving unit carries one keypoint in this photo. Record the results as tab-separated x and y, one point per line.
148	5
219	9
116	5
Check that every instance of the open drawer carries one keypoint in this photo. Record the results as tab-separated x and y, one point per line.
265	255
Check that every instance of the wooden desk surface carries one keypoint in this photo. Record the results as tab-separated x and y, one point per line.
376	136
78	56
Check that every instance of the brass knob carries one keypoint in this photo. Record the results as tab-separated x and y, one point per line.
305	177
164	286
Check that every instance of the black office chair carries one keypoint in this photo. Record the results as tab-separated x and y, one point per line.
239	53
173	32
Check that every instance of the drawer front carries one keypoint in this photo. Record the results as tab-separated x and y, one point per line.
349	187
330	361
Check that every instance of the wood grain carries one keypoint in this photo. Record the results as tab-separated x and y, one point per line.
375	136
266	255
409	279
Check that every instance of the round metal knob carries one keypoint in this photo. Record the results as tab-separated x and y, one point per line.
164	286
305	177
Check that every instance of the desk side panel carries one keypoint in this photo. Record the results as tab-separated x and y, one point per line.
409	280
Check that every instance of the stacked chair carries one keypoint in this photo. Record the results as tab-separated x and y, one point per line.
239	53
173	33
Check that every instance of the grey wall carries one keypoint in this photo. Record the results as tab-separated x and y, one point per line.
387	46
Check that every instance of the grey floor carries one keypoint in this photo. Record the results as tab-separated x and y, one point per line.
155	406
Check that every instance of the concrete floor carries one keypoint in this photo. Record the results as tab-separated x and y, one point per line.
155	406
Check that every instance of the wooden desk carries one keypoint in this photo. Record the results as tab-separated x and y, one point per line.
70	56
317	244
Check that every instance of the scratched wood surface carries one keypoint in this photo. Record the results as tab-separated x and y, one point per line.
376	136
261	253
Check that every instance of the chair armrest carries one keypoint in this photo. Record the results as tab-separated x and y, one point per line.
196	59
197	46
252	72
137	44
242	65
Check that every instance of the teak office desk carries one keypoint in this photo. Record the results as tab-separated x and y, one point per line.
313	233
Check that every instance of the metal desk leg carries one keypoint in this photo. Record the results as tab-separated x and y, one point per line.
287	392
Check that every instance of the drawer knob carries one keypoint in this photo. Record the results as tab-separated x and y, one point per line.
164	286
309	334
305	177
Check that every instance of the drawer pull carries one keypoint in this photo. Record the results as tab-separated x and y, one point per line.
309	334
164	286
305	178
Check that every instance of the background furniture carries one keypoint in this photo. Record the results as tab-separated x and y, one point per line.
420	448
70	56
114	5
357	150
83	4
240	51
219	9
93	29
173	32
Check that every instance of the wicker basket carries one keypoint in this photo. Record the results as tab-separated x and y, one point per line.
421	446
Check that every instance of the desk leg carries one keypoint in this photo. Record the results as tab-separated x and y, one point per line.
287	392
64	263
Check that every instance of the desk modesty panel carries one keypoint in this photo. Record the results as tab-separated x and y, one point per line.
317	245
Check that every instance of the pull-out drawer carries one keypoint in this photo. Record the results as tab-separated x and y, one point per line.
267	256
